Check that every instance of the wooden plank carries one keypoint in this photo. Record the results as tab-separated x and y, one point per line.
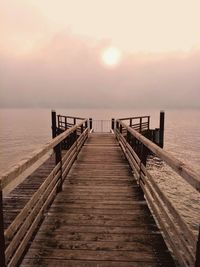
30	218
92	255
23	244
82	263
10	231
99	217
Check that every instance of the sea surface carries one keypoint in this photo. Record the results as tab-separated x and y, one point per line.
24	130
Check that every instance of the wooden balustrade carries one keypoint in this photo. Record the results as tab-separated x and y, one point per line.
69	134
136	147
20	231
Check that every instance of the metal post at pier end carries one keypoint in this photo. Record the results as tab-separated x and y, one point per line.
161	132
2	238
197	261
113	124
90	123
53	123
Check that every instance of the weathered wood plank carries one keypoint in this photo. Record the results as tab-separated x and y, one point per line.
79	263
100	218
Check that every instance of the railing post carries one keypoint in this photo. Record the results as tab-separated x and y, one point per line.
53	123
58	159
81	128
148	122
117	124
57	149
2	238
90	123
128	137
113	124
74	121
197	261
86	124
65	123
131	121
140	125
161	132
120	128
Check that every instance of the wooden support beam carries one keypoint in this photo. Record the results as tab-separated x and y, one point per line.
90	123
140	130
113	124
161	133
53	123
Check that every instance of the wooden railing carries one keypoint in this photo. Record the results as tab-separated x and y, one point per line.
178	234
140	123
65	122
20	231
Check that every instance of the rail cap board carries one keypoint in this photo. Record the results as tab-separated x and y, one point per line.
71	117
192	177
24	164
137	117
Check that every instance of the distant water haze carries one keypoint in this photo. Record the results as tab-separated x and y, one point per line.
24	130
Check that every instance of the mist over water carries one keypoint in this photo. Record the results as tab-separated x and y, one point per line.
23	130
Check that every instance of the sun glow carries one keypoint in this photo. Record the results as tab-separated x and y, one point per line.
111	56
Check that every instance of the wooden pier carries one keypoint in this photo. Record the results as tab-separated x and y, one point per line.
94	203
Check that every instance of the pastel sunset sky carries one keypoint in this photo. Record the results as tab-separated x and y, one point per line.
100	53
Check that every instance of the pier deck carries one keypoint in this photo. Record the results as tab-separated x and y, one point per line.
100	218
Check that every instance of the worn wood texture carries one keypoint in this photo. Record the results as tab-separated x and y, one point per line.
192	177
15	201
100	218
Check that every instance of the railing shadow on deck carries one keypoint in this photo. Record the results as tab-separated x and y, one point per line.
136	148
14	239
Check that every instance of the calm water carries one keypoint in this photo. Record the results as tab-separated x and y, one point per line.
24	130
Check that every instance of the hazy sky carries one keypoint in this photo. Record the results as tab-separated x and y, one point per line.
51	53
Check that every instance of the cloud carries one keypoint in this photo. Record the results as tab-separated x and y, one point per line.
67	72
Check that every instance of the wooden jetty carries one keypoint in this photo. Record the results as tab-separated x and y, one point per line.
93	202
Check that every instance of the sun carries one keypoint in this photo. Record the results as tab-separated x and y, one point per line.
111	56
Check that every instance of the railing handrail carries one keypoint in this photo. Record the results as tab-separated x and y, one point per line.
137	117
176	230
192	177
71	117
18	169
